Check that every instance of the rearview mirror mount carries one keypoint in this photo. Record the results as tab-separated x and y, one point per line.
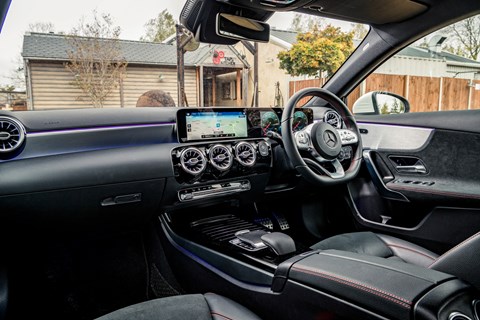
241	28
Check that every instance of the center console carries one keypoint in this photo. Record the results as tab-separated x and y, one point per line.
232	256
389	288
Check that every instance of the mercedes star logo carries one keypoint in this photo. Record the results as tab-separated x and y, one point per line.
329	138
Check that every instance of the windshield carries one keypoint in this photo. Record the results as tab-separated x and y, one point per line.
103	54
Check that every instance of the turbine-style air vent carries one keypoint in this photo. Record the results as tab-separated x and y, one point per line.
220	157
193	161
245	154
12	134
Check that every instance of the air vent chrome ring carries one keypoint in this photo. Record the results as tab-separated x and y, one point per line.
193	161
333	118
220	157
245	154
12	134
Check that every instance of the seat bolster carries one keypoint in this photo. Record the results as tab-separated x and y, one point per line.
462	260
222	308
186	307
409	252
358	242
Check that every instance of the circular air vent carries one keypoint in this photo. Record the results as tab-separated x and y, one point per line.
12	134
333	118
193	161
245	154
220	157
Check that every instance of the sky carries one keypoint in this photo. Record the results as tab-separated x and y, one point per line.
131	16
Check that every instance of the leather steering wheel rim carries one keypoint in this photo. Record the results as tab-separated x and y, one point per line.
292	151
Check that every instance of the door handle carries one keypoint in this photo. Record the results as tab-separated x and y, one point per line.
417	168
377	180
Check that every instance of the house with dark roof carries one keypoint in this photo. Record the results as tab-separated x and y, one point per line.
209	79
214	74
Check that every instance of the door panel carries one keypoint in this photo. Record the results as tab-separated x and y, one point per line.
420	182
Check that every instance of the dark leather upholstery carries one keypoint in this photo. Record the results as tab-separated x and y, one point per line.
386	286
187	307
462	261
378	245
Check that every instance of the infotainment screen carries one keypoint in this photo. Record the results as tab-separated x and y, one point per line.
215	124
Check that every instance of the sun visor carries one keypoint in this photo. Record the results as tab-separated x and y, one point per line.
365	11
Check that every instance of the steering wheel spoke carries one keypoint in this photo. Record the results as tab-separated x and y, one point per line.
303	139
348	137
337	171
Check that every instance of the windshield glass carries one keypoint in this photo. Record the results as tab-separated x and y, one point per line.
93	54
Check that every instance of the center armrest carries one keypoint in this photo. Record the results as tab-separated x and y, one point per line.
388	287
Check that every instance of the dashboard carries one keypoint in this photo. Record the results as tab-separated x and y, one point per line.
111	158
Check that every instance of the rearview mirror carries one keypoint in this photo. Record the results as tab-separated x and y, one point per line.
379	102
240	28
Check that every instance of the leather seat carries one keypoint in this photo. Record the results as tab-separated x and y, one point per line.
462	261
187	307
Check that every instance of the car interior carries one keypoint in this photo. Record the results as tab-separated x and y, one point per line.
153	213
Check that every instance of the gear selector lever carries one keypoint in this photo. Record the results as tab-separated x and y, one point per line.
281	243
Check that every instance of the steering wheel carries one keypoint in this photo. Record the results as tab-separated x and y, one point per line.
322	142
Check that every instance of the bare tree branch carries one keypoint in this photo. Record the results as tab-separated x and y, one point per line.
96	59
465	37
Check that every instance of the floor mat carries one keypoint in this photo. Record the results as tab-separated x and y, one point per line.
108	274
159	285
84	279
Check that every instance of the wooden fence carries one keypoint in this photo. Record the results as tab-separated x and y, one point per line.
424	93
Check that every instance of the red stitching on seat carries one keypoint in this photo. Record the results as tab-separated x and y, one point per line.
413	250
443	256
380	293
221	315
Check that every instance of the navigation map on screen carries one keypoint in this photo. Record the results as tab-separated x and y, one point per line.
211	125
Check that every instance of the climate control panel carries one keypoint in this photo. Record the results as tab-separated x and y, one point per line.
228	159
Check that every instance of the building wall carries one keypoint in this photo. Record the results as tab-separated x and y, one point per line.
402	65
52	86
269	74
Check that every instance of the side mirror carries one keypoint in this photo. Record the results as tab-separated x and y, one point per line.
240	28
379	102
